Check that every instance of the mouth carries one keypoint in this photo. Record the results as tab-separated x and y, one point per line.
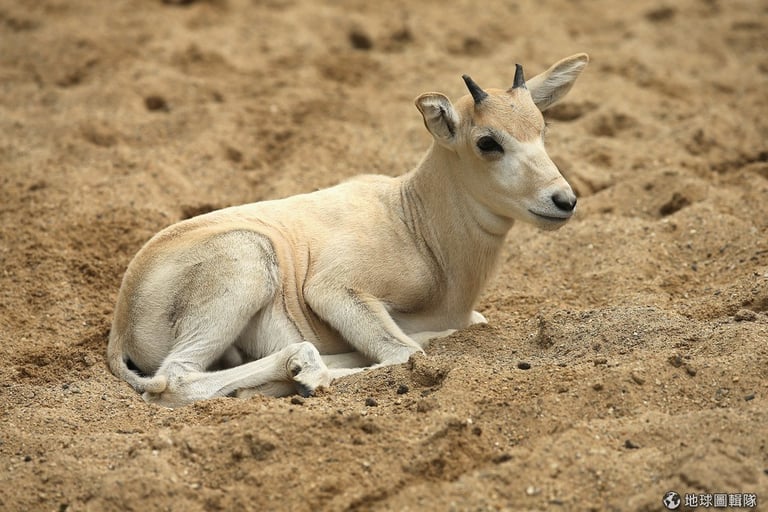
554	219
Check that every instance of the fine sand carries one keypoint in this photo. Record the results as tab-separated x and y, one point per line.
626	354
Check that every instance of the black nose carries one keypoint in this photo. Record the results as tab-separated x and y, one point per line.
566	201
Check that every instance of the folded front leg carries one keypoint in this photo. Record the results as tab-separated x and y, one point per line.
363	321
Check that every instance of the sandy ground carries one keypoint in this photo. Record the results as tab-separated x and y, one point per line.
643	322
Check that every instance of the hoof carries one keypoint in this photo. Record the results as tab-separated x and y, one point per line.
477	318
308	371
304	390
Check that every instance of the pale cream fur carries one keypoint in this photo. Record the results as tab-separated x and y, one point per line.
285	295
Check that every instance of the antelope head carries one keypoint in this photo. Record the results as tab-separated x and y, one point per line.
497	139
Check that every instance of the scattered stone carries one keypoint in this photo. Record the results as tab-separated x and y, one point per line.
504	457
360	40
637	378
628	444
600	360
597	386
523	365
750	396
690	370
156	103
371	402
297	400
402	389
532	491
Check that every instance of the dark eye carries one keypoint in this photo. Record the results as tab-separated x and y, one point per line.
488	144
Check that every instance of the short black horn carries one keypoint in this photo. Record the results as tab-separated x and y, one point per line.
519	80
477	93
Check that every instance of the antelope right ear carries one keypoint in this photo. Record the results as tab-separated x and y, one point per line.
440	117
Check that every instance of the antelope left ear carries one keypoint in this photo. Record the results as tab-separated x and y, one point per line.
440	117
550	86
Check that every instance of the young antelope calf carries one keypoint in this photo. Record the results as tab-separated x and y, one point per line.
283	296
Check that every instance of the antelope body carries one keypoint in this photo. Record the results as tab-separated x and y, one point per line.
285	295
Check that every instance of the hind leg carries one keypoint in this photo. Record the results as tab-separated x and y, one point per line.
211	302
296	368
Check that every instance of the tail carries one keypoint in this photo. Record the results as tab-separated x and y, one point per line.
118	364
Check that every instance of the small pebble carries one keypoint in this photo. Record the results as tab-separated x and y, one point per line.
690	370
155	103
630	445
637	378
371	402
499	459
532	491
360	40
597	386
750	396
402	389
523	365
297	400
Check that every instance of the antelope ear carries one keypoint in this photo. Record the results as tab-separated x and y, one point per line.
550	86
440	117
